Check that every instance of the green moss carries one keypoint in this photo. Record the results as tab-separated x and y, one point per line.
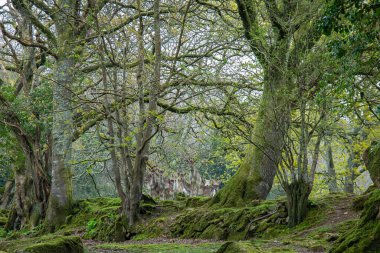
238	192
44	244
57	213
265	220
99	218
175	205
147	208
164	247
3	233
58	245
197	201
252	247
107	228
151	228
3	221
3	216
373	163
365	235
180	196
221	224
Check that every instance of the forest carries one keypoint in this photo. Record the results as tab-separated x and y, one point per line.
193	126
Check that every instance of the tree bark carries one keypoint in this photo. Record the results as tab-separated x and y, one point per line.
7	194
32	185
62	130
61	190
349	179
147	122
31	193
332	183
254	179
297	196
279	59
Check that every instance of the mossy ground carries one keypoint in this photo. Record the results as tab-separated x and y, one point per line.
363	235
162	247
260	227
43	244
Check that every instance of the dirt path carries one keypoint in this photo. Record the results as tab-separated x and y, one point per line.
341	211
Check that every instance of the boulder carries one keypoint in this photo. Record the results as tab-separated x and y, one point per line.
236	247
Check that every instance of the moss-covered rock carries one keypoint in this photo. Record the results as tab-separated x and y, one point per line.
100	218
44	244
153	227
365	235
221	223
83	211
70	244
107	228
180	196
197	201
235	247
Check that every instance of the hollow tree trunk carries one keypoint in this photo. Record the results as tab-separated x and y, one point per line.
297	196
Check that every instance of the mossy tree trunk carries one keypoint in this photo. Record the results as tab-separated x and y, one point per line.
61	191
279	55
255	176
7	194
297	197
31	179
295	174
62	129
32	189
31	193
349	179
32	184
332	183
148	120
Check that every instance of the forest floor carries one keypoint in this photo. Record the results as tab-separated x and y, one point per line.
328	218
312	237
